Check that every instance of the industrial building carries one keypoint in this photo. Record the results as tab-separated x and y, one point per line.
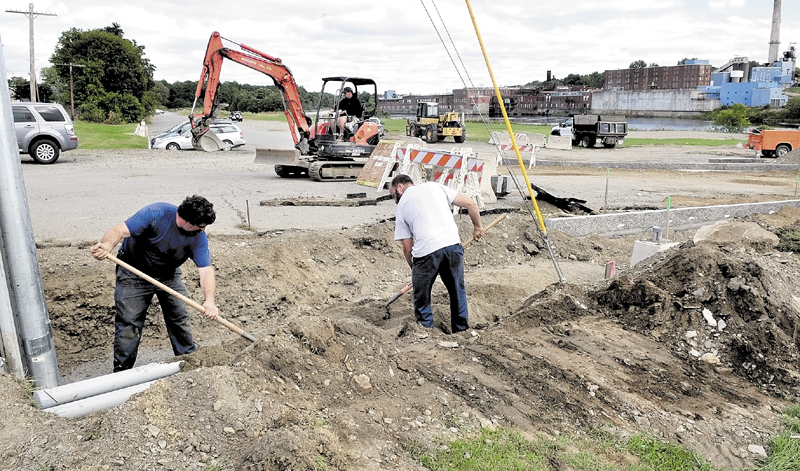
694	73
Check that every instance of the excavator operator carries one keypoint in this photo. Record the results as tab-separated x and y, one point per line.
349	106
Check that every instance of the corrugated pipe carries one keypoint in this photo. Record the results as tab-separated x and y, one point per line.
87	396
18	250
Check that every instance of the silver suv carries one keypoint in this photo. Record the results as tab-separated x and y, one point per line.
43	130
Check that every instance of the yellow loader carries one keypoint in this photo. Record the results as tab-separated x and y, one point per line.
434	127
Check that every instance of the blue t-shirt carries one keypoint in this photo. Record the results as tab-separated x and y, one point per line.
157	246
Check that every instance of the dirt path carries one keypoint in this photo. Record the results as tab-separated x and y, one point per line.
332	381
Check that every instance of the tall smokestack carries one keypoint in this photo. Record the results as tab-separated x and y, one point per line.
775	36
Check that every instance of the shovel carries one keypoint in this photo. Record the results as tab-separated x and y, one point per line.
409	286
178	295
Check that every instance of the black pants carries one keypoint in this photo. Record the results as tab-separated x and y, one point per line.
132	296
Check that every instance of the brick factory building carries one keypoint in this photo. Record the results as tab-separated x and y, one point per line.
696	73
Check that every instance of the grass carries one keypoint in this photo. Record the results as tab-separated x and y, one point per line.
596	451
789	239
475	131
26	388
785	450
656	455
108	136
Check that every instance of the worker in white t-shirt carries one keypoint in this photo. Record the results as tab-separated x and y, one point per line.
424	224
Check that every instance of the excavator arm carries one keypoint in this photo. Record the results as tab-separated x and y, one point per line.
299	123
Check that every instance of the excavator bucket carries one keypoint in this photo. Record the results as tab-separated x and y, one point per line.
208	141
277	156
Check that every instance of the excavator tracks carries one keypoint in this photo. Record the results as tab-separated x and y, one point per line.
330	171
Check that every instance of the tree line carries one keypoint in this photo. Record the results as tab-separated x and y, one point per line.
112	82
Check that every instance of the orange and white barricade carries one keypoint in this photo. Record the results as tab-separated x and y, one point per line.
460	172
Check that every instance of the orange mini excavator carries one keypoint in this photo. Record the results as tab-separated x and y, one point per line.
323	150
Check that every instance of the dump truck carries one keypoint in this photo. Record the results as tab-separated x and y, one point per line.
774	142
433	127
589	129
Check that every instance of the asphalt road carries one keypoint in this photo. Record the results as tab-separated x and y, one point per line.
88	191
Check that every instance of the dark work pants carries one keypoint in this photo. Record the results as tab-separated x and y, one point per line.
448	263
132	296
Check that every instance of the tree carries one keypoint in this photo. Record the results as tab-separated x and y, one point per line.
640	64
594	80
791	112
733	119
653	64
573	79
20	89
116	84
17	86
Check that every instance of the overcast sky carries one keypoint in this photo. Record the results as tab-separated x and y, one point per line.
394	42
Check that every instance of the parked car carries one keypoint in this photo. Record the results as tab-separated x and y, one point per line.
43	130
181	128
229	134
237	116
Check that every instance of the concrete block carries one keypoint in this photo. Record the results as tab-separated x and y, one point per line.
643	249
635	222
536	139
489	169
499	137
559	142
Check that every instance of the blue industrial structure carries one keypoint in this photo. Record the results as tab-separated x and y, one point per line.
737	82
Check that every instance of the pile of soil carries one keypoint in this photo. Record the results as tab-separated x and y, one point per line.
332	382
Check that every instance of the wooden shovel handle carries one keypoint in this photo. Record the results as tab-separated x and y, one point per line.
188	301
491	225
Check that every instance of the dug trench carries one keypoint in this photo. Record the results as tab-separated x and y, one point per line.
332	383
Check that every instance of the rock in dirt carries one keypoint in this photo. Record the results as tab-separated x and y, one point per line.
757	450
710	358
362	384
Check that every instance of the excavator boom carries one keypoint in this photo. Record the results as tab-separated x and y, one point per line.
299	123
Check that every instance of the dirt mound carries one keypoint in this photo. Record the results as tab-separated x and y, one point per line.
792	157
740	307
332	382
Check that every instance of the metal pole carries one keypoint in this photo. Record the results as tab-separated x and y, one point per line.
535	205
19	254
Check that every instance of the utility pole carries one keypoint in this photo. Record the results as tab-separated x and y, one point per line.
71	93
31	15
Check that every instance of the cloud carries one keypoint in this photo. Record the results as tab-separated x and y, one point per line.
722	5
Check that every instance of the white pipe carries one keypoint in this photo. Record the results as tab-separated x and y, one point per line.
96	403
90	388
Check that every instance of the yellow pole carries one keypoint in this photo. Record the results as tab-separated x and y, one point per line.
516	148
508	123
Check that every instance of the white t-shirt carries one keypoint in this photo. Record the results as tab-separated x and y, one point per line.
424	214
